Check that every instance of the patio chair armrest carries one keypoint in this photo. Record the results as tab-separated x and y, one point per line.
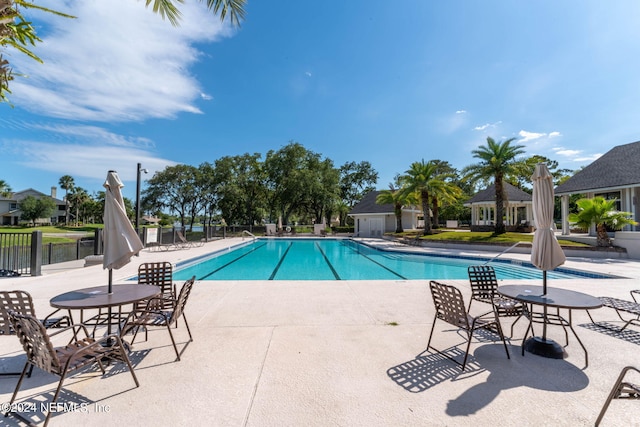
76	328
61	322
633	295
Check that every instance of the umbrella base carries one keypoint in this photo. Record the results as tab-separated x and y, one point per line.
544	347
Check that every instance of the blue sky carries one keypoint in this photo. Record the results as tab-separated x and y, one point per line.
386	82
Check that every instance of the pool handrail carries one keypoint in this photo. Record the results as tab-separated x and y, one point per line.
249	233
503	252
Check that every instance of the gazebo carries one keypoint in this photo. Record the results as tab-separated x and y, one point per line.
517	209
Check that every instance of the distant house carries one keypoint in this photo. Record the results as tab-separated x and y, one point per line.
615	175
517	209
10	213
373	220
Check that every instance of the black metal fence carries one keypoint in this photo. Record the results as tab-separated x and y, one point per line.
25	253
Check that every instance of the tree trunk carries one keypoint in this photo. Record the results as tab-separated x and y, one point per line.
602	239
425	212
398	212
499	229
436	214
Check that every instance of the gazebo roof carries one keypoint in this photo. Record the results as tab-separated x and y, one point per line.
514	194
616	168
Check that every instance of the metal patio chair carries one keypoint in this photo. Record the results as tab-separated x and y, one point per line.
621	390
484	288
158	274
78	352
450	308
21	302
153	316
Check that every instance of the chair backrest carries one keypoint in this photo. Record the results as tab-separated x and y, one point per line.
35	341
183	296
156	273
19	301
449	304
181	237
483	281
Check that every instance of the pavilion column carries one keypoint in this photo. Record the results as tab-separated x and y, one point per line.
565	215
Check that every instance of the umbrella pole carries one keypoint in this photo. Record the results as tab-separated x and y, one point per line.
544	292
110	291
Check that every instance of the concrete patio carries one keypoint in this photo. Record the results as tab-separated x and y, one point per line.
340	353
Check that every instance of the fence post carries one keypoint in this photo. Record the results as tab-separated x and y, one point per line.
97	241
36	253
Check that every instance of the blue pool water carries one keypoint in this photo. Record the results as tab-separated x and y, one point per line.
341	259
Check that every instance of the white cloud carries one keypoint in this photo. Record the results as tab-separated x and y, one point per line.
554	134
530	136
576	155
566	153
118	61
487	125
86	152
307	73
461	111
206	96
589	159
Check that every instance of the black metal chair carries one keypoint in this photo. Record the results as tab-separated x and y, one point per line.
621	390
484	288
450	307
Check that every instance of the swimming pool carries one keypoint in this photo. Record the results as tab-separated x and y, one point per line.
342	259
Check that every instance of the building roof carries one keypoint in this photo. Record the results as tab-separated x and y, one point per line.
368	205
618	167
514	194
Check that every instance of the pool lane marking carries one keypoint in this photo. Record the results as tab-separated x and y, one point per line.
231	262
374	261
333	270
275	271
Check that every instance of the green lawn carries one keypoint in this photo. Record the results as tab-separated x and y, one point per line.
50	229
487	237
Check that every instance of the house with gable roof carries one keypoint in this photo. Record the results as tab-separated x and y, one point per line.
10	212
518	209
615	176
373	220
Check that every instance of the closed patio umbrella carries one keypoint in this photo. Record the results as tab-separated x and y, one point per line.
121	241
546	253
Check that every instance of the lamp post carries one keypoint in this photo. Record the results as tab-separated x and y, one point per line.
138	196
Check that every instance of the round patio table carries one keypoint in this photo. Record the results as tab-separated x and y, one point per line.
553	298
98	297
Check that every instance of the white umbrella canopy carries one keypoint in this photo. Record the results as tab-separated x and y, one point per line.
546	252
121	241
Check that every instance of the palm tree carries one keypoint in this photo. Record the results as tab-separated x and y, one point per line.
5	188
397	197
444	190
420	179
77	197
603	214
66	183
497	159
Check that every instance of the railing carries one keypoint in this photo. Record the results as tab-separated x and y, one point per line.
247	232
503	252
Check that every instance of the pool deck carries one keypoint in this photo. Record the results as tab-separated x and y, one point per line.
338	353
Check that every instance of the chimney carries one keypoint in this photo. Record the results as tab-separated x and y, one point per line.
53	192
